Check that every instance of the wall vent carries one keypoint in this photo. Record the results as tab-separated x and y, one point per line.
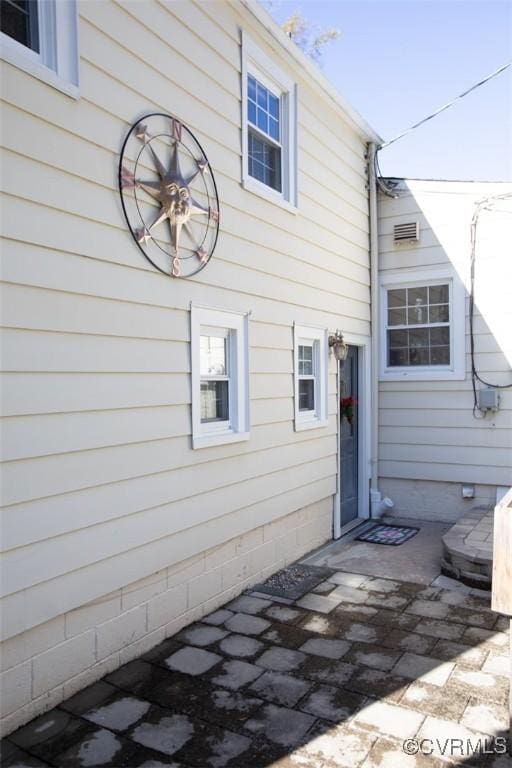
407	233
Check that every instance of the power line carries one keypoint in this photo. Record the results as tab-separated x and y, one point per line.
446	106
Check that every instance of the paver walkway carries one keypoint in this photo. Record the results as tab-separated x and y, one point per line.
339	678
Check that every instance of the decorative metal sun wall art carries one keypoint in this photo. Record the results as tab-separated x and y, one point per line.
169	196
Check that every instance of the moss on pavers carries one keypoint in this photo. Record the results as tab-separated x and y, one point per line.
289	637
330	703
395	619
374	656
389	753
377	684
433	700
240	646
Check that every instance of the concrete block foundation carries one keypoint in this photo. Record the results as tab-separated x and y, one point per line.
45	665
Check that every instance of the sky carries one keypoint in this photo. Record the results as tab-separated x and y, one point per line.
397	61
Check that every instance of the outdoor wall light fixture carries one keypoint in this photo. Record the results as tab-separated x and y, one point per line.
338	346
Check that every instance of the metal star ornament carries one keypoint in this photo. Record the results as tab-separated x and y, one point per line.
174	188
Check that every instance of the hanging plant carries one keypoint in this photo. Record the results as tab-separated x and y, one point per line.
347	405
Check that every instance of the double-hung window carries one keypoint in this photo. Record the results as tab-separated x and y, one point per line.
264	150
269	128
19	19
310	377
418	327
220	392
423	326
307	375
41	37
215	371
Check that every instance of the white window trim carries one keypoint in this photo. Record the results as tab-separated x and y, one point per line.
57	62
237	428
406	279
317	418
255	62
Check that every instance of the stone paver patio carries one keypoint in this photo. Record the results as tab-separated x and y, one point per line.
337	679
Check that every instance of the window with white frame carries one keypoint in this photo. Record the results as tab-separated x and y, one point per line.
269	128
264	149
310	377
220	391
19	19
41	37
215	372
422	326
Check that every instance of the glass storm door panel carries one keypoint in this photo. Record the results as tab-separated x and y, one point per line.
349	437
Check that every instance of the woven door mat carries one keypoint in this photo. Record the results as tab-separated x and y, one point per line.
393	535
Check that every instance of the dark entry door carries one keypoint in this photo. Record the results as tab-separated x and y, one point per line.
349	436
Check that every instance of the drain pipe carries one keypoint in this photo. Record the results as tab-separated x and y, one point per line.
375	495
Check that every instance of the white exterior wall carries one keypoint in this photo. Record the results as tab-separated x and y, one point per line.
429	441
101	488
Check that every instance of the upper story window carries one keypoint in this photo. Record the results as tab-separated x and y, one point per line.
269	128
19	20
41	37
310	377
423	335
264	135
220	389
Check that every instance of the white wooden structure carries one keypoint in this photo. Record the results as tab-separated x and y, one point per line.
502	570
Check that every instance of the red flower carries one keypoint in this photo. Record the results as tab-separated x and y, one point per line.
347	408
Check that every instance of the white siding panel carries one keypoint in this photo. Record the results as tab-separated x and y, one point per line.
31	436
32	393
54	597
452	473
25	566
428	429
32	521
442	418
46	351
97	277
101	482
447	436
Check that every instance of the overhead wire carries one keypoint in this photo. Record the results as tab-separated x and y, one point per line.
448	105
383	186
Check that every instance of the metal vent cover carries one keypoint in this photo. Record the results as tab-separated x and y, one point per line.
406	233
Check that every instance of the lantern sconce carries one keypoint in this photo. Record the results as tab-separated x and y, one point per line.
338	346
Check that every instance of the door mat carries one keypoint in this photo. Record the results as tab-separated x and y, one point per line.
393	535
294	581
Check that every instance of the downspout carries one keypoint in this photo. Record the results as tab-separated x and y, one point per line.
375	496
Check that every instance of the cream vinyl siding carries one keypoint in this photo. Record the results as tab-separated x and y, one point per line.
100	484
427	429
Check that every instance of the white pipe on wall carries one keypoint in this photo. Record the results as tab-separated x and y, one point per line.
336	532
374	293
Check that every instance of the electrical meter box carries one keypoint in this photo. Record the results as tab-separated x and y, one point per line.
488	399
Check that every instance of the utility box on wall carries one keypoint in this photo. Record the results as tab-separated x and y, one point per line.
489	399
